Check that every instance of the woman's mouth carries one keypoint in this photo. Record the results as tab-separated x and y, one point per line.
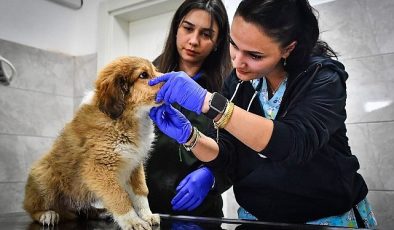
242	72
191	52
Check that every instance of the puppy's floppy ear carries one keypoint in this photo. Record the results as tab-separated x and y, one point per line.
111	93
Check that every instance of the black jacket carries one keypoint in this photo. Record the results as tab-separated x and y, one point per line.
169	163
309	172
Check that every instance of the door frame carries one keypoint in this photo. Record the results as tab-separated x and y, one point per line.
113	24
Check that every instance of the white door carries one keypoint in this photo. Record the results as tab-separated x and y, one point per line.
133	27
148	35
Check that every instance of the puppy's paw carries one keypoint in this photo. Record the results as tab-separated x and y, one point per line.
49	218
134	224
152	219
131	221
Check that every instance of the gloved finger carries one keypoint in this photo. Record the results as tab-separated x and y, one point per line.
183	183
195	204
189	203
172	114
153	111
182	200
159	117
171	111
170	91
179	196
162	78
152	114
163	91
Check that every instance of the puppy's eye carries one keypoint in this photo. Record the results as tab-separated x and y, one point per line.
144	75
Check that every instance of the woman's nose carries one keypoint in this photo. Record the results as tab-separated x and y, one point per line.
238	60
193	40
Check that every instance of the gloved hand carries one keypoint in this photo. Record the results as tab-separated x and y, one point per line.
171	122
182	89
193	189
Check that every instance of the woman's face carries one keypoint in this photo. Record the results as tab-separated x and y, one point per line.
195	38
253	53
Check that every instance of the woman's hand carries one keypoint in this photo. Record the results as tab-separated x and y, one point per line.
193	189
182	89
171	122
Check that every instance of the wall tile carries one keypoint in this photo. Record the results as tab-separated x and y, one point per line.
382	205
33	113
39	70
369	87
77	102
17	153
373	145
346	28
85	74
11	197
381	16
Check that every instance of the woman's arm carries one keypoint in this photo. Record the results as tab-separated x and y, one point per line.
252	130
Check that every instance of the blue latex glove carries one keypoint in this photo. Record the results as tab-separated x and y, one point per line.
171	122
182	89
193	189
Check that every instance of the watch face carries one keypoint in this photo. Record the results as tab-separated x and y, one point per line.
218	103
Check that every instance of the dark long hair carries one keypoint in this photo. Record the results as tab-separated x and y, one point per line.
217	65
286	21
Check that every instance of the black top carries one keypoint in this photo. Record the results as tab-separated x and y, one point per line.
309	172
169	163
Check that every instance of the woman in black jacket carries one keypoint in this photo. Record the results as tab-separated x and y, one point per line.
280	120
197	44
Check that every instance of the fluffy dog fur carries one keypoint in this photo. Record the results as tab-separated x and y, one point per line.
100	154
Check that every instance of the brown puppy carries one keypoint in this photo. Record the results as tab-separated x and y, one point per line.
100	154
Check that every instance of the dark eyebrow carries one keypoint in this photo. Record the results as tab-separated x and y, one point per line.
187	22
247	51
204	29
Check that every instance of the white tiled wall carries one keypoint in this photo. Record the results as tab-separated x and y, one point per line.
50	85
362	31
33	109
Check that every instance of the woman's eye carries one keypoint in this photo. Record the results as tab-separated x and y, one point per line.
188	28
256	57
144	75
206	35
233	43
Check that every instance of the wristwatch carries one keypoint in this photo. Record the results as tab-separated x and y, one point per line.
217	105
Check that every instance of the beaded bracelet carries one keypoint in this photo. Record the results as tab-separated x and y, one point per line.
193	139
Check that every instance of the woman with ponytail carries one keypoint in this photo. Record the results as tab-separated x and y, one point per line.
280	131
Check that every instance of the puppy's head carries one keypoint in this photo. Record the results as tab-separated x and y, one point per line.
124	82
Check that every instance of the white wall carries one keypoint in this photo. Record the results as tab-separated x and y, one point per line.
231	6
49	26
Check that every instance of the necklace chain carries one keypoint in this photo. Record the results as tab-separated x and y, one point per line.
280	83
274	90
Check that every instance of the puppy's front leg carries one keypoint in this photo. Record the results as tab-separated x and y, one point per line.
139	196
115	199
